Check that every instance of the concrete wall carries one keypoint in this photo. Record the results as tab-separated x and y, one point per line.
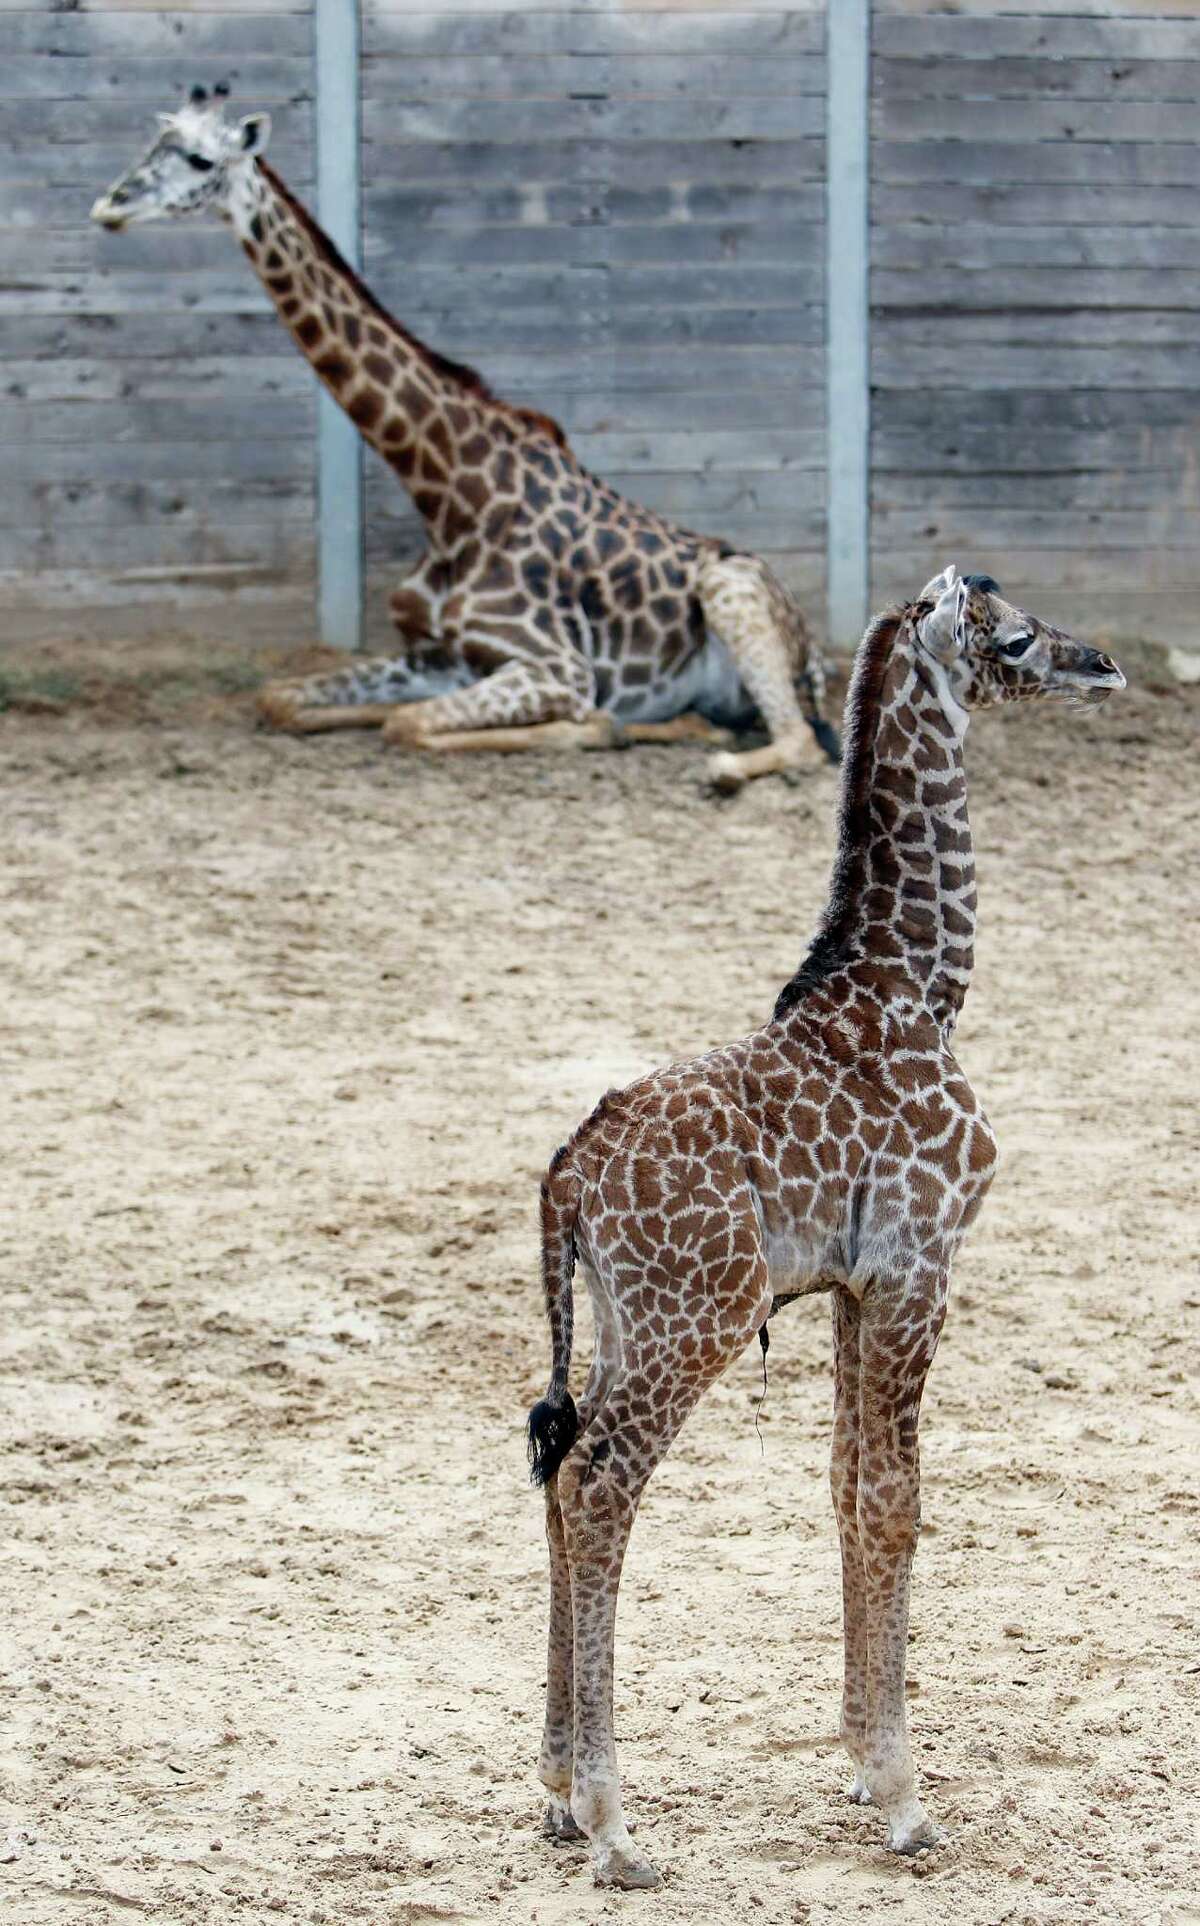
158	424
617	212
1035	304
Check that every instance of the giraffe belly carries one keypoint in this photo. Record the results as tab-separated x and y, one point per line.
708	682
803	1258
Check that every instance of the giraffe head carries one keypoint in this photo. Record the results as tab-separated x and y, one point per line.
196	162
988	651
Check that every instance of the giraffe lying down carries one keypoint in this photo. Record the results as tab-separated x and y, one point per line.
575	674
548	610
839	1148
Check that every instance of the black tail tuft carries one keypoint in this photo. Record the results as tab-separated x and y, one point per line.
827	737
551	1431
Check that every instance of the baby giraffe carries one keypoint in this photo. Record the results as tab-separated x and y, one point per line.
839	1148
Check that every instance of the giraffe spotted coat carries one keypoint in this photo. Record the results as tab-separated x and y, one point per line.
839	1148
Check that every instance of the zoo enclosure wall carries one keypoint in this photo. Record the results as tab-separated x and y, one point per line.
618	212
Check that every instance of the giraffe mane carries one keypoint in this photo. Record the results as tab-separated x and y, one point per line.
829	948
465	377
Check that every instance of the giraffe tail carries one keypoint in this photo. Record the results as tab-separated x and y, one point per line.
811	690
827	738
554	1423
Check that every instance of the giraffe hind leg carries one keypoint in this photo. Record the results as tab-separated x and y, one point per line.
644	1394
764	632
689	727
559	1430
554	1765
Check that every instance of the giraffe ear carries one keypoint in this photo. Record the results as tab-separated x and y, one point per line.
255	132
943	630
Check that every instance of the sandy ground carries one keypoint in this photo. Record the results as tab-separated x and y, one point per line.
288	1031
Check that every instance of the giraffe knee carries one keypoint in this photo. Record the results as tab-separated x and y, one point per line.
596	1505
888	1534
843	1488
410	612
403	730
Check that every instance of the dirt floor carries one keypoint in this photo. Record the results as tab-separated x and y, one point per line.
288	1030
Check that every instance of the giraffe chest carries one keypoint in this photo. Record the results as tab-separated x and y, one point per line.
853	1192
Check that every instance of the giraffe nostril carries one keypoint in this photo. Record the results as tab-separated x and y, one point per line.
1097	664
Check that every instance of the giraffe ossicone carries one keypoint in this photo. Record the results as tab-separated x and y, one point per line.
839	1148
548	610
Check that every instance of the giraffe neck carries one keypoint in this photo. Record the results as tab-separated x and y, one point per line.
901	912
432	420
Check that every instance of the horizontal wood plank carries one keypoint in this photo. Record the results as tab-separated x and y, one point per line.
107	30
1024	120
964	290
24	423
1067	488
644	75
1007	527
244	544
1027	77
1038	409
400	119
1003	163
159	81
921	30
422	32
52	507
974	241
1096	570
81	461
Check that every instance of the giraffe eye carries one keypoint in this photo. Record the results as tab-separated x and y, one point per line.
1014	650
201	163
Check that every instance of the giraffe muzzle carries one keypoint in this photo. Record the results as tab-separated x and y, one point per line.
1092	676
107	213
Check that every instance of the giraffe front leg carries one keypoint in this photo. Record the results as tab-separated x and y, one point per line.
898	1336
516	701
360	695
554	1766
843	1481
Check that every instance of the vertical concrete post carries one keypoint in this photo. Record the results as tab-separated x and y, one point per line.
339	447
847	318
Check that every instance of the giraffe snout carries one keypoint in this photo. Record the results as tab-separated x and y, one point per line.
107	210
1093	674
1101	664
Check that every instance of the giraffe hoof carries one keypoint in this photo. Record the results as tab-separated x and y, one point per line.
277	708
725	773
401	735
626	1870
859	1792
913	1833
559	1825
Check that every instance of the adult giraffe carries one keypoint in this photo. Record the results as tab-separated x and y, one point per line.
838	1148
547	608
